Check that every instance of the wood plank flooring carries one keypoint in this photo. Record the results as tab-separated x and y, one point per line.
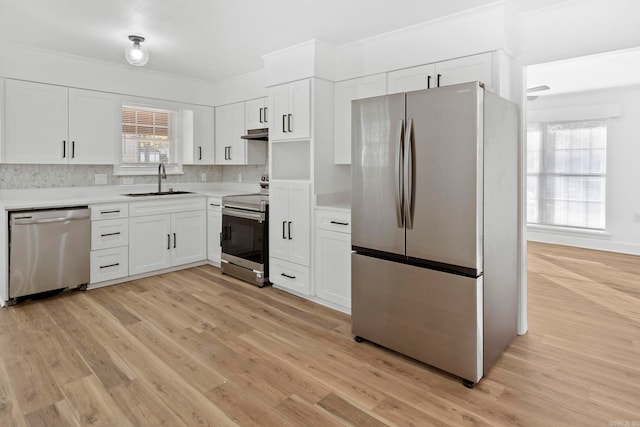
195	348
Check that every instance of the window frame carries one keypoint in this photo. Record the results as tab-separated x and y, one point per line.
543	173
176	148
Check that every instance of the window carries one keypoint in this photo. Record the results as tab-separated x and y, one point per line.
149	137
566	173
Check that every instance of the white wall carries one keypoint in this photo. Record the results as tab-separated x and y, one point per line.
623	173
26	63
480	30
577	28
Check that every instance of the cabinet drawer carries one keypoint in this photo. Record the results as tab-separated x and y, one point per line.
157	207
109	264
334	221
290	276
109	233
110	211
214	204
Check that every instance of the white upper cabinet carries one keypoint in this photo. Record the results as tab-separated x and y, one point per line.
291	107
95	126
198	135
36	123
56	125
466	69
410	79
345	92
229	128
256	114
231	149
460	70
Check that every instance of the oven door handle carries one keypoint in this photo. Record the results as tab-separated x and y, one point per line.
256	216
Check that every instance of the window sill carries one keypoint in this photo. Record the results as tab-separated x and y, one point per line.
569	231
152	170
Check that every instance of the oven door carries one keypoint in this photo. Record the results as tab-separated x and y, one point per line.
244	238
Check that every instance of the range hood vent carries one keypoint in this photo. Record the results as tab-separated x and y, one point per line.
257	134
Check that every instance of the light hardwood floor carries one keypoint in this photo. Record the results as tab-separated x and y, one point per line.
195	348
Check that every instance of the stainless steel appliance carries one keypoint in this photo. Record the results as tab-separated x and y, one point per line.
257	134
434	225
48	250
245	236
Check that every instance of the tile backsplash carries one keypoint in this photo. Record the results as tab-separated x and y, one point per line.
13	176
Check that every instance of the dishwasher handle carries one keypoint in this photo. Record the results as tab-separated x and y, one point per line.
61	216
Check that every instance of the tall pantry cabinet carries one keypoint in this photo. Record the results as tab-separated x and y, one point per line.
301	158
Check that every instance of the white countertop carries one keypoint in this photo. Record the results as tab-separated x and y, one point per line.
341	200
73	196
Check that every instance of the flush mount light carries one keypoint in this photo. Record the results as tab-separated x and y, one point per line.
136	54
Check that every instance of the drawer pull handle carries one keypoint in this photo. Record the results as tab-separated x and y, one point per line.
109	212
339	223
110	265
214	204
109	234
287	276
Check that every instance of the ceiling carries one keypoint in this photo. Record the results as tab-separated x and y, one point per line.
611	69
212	39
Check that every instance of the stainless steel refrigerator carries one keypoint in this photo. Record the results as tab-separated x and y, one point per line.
434	225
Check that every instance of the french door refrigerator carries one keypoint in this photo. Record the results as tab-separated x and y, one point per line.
434	225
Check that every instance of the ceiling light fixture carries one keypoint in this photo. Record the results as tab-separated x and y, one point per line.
136	54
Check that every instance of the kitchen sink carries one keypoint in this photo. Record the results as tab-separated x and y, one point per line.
157	193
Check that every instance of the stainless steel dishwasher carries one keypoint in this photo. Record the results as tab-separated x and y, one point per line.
48	249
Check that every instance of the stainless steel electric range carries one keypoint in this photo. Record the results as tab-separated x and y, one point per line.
245	236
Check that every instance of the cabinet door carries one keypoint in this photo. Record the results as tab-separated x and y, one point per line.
229	127
149	243
188	233
410	79
299	223
333	267
255	114
278	110
467	69
289	276
95	127
36	123
298	124
278	218
203	135
345	92
214	228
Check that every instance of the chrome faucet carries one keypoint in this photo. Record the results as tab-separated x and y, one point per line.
162	173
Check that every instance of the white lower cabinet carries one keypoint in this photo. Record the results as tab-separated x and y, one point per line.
165	240
290	276
109	264
290	235
214	228
188	230
109	242
149	243
333	258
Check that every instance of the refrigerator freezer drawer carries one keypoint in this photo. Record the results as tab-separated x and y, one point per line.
428	315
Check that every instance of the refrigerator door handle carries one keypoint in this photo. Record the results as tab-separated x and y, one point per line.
399	178
408	175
